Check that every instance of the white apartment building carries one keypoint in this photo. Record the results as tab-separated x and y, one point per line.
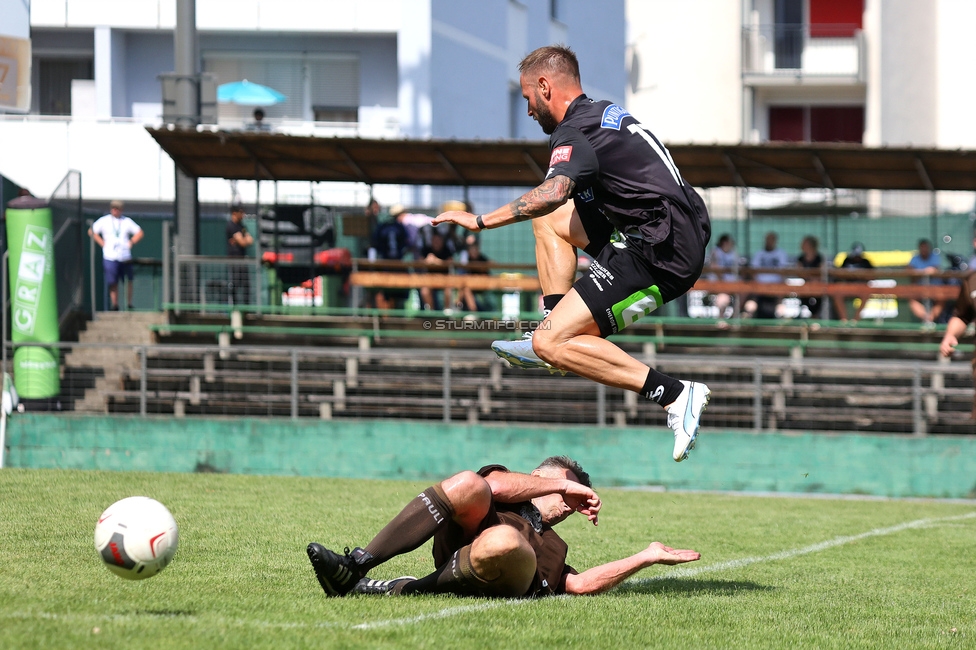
878	72
373	68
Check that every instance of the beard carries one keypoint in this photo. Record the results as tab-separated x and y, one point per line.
544	117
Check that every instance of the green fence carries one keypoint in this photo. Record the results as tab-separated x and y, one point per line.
935	466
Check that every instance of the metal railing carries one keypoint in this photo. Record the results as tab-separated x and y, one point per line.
468	386
204	280
793	51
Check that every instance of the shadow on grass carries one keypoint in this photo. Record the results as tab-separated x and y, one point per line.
165	613
687	587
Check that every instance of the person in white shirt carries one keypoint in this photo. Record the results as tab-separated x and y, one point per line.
116	234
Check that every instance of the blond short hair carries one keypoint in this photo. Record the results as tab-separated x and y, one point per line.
551	59
116	205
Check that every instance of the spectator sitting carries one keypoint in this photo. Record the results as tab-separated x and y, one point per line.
771	257
930	263
390	241
972	260
810	258
854	260
258	124
415	225
436	254
472	253
455	241
724	256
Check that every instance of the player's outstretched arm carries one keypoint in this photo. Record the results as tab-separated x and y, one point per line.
513	487
954	330
607	576
551	194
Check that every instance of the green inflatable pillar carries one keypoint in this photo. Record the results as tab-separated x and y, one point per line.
33	298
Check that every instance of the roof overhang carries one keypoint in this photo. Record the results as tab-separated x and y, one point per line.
246	155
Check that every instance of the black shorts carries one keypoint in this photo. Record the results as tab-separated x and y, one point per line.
629	279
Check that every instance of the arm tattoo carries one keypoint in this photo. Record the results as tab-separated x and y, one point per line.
542	200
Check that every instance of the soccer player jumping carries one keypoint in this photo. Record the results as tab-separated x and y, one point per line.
613	190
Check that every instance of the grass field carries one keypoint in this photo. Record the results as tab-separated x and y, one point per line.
774	573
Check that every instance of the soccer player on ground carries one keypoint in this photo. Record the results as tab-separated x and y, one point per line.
493	537
613	190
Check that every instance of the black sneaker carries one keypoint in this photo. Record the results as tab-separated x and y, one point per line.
381	587
337	574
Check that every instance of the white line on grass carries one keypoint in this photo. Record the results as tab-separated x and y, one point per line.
686	572
480	607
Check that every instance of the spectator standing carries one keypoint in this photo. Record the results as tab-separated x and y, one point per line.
770	257
854	260
810	258
930	263
116	234
238	239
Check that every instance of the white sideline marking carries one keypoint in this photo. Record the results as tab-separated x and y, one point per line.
813	548
513	602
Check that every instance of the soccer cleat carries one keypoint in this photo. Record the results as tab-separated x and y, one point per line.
519	354
684	416
381	587
337	574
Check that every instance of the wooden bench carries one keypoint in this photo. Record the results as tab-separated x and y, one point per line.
475	282
810	288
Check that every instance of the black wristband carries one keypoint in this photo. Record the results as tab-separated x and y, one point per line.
480	222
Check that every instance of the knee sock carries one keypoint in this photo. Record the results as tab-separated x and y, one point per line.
661	388
415	524
549	302
456	576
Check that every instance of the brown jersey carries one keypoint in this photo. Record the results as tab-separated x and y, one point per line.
550	550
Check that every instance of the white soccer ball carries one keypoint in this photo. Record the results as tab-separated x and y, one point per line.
136	537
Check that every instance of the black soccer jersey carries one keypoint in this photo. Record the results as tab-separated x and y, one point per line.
622	171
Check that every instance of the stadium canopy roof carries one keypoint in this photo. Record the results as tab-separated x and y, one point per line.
246	155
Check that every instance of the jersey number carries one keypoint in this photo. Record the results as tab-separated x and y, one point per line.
659	149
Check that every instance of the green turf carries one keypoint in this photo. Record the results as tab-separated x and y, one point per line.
241	579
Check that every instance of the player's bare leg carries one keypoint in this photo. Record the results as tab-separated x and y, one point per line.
570	340
557	237
463	498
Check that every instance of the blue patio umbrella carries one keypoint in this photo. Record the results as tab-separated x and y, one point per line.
247	93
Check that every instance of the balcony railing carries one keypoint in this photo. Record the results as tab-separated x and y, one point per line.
831	53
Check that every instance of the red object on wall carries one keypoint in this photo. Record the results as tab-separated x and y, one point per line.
835	18
816	123
837	123
786	124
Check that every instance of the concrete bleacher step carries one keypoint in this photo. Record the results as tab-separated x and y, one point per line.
108	365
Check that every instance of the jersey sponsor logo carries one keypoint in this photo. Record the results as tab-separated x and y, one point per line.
560	154
612	115
586	195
